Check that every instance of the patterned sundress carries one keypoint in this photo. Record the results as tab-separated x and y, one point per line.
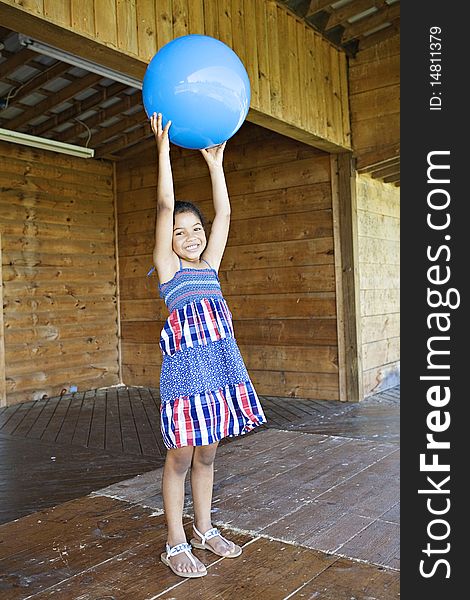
206	392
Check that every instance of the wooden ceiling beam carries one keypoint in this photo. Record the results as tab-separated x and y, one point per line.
37	82
366	160
394	169
123	141
341	15
63	95
124	123
15	60
357	29
317	6
392	163
4	33
79	107
101	115
391	178
380	36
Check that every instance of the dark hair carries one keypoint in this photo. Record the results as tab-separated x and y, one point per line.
183	206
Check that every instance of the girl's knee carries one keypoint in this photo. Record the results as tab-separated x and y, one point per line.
205	455
179	459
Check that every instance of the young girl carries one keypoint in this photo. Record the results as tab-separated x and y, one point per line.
206	392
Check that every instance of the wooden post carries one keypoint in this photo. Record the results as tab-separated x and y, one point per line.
347	277
118	283
3	391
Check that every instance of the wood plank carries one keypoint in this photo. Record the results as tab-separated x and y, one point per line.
313	304
370	76
377	102
385	128
380	327
371	279
196	17
126	20
379	353
274	68
146	29
251	51
57	12
211	18
347	579
379	302
238	29
3	397
180	18
344	100
377	251
82	16
38	159
377	156
375	197
386	49
106	22
308	359
164	22
288	332
262	49
224	11
378	226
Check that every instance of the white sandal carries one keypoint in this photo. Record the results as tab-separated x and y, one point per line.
207	536
178	549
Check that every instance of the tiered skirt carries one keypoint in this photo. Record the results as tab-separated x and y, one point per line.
206	392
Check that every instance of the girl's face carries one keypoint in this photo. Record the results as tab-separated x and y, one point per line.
189	237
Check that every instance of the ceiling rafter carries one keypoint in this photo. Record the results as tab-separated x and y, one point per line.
107	133
317	6
102	115
35	84
79	107
14	61
341	15
63	95
357	29
380	36
123	141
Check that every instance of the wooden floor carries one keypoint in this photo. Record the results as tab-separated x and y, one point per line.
312	497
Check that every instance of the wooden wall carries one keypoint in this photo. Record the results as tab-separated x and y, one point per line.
59	281
378	207
277	273
374	88
298	79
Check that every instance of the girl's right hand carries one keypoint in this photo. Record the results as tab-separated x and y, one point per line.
161	134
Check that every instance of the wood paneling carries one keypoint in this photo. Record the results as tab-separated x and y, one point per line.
59	278
379	276
374	92
3	395
290	66
278	272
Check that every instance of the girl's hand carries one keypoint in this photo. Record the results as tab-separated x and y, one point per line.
214	156
161	134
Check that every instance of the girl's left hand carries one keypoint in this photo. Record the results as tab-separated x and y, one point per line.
214	156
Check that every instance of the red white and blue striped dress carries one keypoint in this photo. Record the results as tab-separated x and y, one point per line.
206	392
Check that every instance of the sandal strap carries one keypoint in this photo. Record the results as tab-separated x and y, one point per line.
178	549
209	534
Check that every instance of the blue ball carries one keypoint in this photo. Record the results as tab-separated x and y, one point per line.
201	85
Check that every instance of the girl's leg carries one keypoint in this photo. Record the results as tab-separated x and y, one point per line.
177	463
202	481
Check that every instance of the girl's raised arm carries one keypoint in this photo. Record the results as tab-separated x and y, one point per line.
221	224
163	255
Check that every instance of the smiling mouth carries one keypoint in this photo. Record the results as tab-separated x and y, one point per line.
192	247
